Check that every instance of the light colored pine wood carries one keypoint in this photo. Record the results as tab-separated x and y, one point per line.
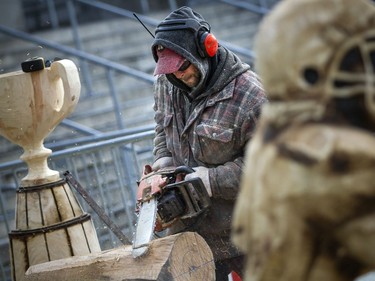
78	240
29	248
58	244
34	212
49	207
31	105
35	252
20	264
91	237
183	257
67	205
71	202
21	214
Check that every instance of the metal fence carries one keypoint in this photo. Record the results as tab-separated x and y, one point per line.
108	169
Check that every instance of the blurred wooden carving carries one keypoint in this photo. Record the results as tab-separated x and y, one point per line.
306	210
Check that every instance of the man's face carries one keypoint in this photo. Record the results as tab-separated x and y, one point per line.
190	76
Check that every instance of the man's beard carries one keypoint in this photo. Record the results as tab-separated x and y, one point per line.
192	83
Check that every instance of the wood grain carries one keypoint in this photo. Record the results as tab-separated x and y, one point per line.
183	257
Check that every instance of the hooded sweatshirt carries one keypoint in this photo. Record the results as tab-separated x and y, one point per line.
208	125
184	42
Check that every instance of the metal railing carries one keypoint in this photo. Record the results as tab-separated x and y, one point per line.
153	23
107	168
108	65
262	8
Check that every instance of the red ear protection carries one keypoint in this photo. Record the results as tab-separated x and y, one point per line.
208	44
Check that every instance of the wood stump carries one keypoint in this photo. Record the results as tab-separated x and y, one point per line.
183	257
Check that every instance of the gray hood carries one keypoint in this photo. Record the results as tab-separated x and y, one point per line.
216	71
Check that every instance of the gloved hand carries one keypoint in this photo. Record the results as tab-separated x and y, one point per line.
201	172
162	163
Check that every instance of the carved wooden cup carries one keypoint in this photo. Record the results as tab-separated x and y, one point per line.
31	106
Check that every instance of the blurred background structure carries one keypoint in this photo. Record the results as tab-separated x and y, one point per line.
108	138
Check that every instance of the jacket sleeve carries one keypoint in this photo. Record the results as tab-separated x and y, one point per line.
161	98
225	179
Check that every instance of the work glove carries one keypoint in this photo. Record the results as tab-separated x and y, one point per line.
202	173
162	163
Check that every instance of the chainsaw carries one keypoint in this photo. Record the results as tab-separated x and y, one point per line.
163	197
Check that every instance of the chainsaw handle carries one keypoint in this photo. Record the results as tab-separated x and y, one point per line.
183	170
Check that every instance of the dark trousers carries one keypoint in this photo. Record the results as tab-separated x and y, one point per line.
224	267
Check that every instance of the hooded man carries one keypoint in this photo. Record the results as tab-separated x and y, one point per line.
207	103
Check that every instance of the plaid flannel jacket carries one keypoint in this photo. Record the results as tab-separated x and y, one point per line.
210	132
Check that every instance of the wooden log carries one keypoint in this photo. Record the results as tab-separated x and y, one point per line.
183	257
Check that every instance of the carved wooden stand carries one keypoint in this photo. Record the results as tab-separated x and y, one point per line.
50	223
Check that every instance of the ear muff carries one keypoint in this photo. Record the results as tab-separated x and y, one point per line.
205	41
208	44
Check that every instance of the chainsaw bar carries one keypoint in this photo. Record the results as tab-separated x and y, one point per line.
145	228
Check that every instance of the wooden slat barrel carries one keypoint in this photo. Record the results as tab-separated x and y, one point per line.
50	225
